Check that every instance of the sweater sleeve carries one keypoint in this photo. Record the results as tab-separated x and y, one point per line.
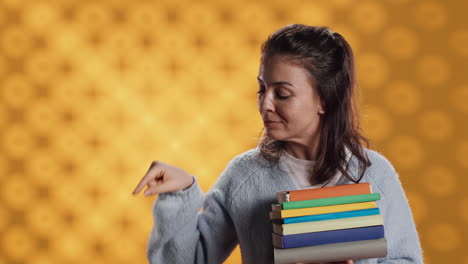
182	233
400	231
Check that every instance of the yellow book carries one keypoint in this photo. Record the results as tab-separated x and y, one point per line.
321	210
326	225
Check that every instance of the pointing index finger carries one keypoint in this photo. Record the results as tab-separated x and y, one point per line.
146	179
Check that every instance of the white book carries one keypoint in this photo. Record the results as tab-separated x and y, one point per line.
325	225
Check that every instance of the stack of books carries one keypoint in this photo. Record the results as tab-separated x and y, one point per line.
328	224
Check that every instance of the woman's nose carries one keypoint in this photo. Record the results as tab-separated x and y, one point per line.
266	103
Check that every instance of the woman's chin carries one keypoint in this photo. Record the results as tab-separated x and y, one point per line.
273	135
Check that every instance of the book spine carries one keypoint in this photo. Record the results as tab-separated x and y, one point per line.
331	201
364	249
327	192
321	210
335	224
282	196
276	207
330	216
328	237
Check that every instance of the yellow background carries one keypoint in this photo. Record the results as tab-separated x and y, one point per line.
92	91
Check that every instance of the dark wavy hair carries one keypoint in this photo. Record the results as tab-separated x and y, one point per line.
329	60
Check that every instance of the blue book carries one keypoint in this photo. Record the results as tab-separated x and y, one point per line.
328	237
329	216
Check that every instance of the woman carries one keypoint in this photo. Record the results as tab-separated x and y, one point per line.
305	97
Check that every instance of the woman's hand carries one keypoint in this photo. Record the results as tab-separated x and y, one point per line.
164	178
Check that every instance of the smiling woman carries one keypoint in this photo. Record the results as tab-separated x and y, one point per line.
290	106
312	140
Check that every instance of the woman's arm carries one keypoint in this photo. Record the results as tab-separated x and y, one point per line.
181	233
400	231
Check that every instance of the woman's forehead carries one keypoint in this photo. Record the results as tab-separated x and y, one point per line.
278	69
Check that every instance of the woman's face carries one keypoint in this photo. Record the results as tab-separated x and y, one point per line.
289	105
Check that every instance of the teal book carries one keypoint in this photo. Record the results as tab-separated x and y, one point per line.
331	201
328	216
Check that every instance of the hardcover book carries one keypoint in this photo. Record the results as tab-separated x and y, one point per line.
329	216
328	237
334	224
362	249
331	201
326	192
321	210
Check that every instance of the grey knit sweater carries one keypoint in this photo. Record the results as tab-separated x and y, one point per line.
235	211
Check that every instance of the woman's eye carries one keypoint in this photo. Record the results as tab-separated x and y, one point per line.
282	97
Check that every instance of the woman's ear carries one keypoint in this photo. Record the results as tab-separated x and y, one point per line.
321	111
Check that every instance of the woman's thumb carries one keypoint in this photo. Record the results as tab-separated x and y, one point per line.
161	187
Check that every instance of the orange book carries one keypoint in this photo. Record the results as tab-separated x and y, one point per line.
325	192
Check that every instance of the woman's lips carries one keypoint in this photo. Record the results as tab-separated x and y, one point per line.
271	123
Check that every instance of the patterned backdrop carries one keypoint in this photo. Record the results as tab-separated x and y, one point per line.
92	91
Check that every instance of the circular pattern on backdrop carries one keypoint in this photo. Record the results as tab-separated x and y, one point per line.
4	118
400	43
17	141
436	125
17	91
43	118
341	3
203	15
398	1
44	257
463	209
433	70
146	16
349	35
66	41
460	98
430	15
3	217
15	41
407	152
41	67
70	246
17	243
4	68
94	15
40	16
368	16
458	40
418	206
42	219
403	97
444	237
377	123
312	13
372	69
75	79
462	153
17	191
3	166
123	249
3	16
42	168
13	4
439	181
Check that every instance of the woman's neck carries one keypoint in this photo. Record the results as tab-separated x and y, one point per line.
301	151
